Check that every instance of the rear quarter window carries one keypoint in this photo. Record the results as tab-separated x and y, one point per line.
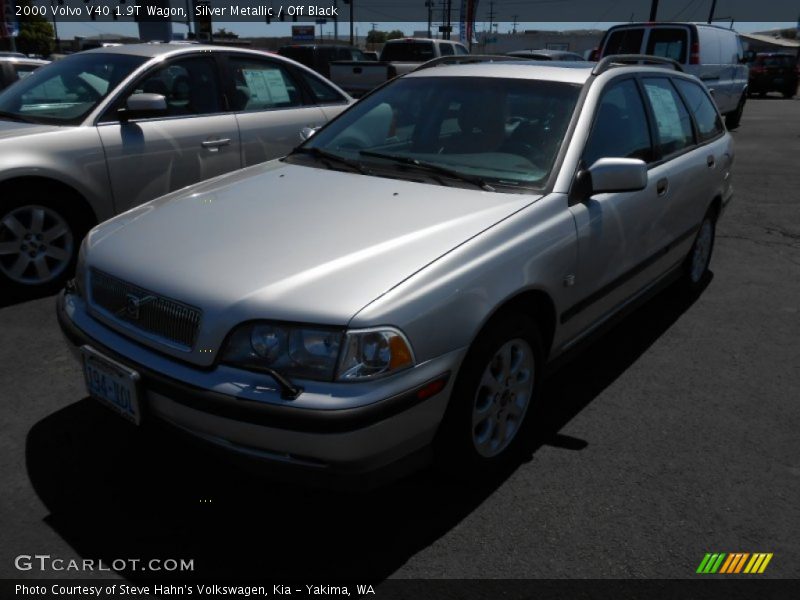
709	125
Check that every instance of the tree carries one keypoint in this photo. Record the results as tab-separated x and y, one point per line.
224	34
35	34
376	36
395	34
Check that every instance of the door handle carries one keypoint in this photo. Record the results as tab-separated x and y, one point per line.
711	161
214	145
661	186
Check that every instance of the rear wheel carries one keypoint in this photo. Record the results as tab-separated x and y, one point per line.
488	419
695	267
39	241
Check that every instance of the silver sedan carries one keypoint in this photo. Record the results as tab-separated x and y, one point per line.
102	131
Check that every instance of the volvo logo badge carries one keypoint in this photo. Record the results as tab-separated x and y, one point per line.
133	305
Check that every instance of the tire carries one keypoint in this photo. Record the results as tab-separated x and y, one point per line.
489	419
733	119
789	93
695	266
39	240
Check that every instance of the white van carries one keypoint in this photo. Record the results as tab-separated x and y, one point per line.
713	54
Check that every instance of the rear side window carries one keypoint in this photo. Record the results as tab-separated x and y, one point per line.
461	50
673	123
709	125
323	93
262	85
668	42
624	41
620	128
446	49
23	70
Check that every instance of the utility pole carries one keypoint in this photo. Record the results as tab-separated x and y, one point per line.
515	24
352	39
429	5
711	12
335	23
491	19
653	10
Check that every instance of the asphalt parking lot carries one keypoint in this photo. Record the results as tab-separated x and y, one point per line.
676	434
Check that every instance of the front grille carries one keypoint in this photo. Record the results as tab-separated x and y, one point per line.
144	310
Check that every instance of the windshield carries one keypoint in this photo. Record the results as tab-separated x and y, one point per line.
502	132
64	92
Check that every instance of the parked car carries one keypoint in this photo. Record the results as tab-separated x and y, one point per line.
398	57
102	131
14	67
774	72
320	56
545	54
714	54
415	302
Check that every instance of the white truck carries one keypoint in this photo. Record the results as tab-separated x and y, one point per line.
398	57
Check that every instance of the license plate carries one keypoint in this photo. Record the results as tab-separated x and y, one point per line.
113	384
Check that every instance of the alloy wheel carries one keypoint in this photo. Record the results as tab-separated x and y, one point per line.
36	245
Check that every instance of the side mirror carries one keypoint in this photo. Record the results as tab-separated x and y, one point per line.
144	105
617	175
307	132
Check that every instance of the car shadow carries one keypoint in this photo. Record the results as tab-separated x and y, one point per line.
8	298
114	491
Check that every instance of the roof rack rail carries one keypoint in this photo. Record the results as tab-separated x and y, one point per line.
468	59
627	59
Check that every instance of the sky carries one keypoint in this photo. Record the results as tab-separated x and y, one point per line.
278	29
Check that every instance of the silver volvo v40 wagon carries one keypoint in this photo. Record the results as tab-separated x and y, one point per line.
400	280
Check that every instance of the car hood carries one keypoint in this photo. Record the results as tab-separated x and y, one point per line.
14	129
288	242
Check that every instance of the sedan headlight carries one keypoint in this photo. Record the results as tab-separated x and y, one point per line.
318	353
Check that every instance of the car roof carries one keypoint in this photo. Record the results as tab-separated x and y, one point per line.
155	49
23	59
566	71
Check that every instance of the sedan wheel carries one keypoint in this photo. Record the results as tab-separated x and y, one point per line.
36	245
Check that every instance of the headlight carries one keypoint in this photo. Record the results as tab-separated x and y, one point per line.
319	353
304	352
373	353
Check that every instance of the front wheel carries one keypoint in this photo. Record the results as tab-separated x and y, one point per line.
488	419
695	267
38	246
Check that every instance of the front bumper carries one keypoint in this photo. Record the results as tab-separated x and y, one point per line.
367	426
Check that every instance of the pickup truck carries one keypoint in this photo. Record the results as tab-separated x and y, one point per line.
398	57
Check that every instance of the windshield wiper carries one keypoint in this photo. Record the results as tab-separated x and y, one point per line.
330	157
413	162
14	117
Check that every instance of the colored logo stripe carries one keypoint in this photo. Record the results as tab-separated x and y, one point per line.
734	563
